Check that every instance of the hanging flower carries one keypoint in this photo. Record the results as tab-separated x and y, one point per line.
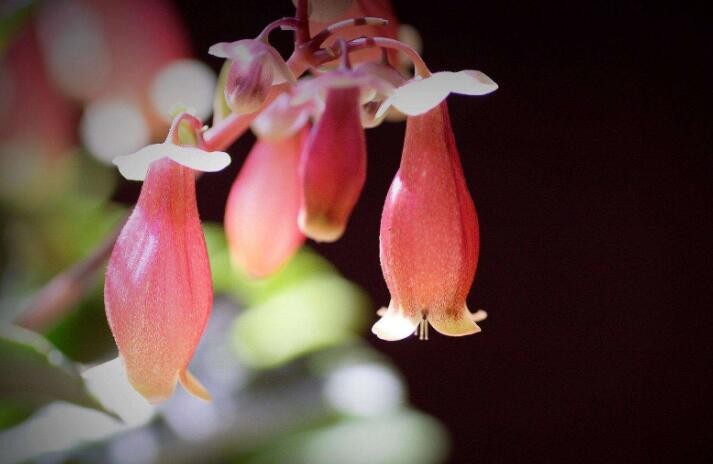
158	291
255	67
262	208
333	165
429	235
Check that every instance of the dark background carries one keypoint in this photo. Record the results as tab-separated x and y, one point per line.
590	168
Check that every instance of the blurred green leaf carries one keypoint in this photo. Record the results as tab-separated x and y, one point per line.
84	335
318	312
12	19
305	264
33	374
13	412
407	437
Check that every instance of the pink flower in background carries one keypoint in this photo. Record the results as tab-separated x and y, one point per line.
261	211
333	168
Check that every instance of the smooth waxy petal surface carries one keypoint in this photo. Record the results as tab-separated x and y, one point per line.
262	208
333	167
429	230
158	291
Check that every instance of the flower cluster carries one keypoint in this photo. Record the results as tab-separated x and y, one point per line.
301	180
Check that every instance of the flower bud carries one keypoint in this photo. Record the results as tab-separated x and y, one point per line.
255	68
261	212
247	85
158	291
429	235
333	167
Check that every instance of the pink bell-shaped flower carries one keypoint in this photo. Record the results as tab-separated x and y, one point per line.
333	167
158	290
429	235
261	212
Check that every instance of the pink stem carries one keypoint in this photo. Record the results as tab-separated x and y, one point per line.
302	15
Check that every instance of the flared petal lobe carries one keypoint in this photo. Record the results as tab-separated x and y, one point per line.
158	291
261	212
333	167
429	233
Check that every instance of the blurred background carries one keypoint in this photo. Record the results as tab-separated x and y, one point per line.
590	169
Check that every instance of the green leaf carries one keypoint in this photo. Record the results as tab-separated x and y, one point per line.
406	437
318	312
33	374
83	334
13	412
305	264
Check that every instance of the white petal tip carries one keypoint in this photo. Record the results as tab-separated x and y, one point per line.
394	325
479	315
218	50
200	160
471	82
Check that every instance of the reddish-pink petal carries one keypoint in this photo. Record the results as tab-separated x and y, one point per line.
333	167
158	290
261	212
429	228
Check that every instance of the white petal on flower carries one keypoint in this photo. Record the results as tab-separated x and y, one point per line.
417	96
421	95
470	82
136	165
394	325
479	316
200	160
220	49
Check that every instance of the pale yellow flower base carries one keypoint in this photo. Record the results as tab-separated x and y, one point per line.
395	325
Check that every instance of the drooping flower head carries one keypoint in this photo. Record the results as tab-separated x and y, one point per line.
158	290
261	212
429	238
333	164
